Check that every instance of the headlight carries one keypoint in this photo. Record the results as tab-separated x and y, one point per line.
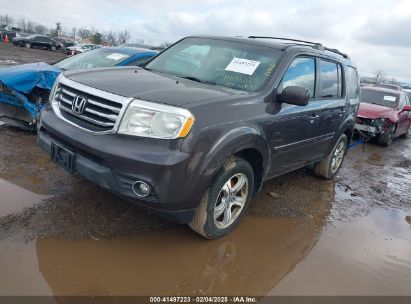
154	120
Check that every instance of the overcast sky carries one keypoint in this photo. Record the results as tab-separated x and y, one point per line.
375	33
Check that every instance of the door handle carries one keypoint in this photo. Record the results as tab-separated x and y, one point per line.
313	117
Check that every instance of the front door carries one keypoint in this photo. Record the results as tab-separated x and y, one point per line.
293	128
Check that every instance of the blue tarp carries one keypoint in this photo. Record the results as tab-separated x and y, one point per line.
23	78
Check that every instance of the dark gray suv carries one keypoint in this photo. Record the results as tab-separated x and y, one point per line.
194	134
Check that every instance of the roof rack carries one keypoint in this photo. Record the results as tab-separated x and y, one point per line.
315	45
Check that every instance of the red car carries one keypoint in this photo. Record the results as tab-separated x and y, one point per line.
384	114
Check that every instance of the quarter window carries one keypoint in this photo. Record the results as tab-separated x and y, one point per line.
301	73
352	83
330	80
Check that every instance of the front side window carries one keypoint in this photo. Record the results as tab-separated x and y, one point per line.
352	83
231	64
378	97
301	73
403	101
330	80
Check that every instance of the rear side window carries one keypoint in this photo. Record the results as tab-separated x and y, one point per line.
352	83
301	73
330	79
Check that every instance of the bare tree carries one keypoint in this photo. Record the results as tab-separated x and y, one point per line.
39	29
73	32
379	76
84	33
30	27
123	37
111	37
22	24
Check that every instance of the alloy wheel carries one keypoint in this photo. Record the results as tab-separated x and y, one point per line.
338	157
231	200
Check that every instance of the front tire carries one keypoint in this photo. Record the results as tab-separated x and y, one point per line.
27	45
225	201
406	134
328	168
53	48
387	138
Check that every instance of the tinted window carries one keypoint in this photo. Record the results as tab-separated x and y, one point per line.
352	83
330	82
301	73
379	97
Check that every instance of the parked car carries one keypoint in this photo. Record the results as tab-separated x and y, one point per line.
65	42
81	48
384	114
194	141
142	45
24	89
37	41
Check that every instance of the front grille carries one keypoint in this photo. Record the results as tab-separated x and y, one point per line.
98	115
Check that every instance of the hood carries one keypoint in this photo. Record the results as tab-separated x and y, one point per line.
373	111
23	78
151	86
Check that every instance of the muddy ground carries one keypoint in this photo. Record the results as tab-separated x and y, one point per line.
11	55
61	235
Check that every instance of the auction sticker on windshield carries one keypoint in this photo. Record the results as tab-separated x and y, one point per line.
390	98
243	66
116	56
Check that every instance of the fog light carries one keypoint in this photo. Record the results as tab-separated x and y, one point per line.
141	189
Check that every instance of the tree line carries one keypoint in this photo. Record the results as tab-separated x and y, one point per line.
96	36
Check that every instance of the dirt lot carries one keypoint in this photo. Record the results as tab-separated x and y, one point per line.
61	235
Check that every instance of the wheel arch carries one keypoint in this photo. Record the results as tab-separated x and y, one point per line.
245	142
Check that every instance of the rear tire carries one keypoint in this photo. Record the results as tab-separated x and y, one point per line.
27	45
328	168
225	201
53	48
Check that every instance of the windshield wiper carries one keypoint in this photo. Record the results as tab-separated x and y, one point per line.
198	80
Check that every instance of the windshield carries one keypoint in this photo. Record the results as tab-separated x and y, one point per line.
379	98
235	65
93	59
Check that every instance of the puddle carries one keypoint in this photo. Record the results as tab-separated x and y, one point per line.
14	198
169	262
369	256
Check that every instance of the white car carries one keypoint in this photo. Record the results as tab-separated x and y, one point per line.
81	48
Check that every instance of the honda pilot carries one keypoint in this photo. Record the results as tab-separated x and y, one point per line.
193	134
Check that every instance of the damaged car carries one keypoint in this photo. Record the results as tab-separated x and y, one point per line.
24	89
383	114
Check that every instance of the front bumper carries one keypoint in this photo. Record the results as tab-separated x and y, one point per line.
115	162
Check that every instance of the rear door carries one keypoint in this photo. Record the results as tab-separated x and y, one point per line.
330	104
293	129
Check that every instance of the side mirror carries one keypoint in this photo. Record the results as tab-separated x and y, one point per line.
407	108
295	95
